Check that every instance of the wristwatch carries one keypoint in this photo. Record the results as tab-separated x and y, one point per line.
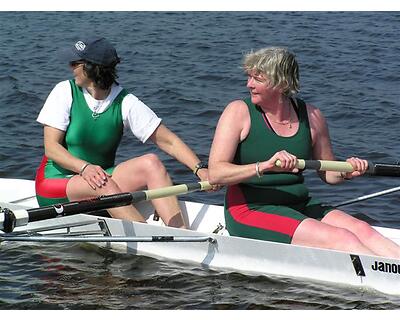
200	165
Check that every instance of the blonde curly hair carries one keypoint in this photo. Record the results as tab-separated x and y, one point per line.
278	65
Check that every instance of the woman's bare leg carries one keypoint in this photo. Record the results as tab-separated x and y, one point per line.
148	171
371	238
79	189
314	233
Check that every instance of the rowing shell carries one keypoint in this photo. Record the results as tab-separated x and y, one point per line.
207	243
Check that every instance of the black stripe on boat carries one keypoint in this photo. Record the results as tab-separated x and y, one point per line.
357	264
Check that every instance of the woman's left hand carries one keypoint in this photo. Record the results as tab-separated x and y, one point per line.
203	175
359	166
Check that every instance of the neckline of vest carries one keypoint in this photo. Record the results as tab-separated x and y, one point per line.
269	126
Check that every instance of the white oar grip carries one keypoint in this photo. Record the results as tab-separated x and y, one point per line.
177	190
205	185
322	165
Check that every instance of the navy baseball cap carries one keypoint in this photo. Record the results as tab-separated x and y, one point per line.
95	50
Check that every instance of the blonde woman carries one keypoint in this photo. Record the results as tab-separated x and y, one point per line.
270	203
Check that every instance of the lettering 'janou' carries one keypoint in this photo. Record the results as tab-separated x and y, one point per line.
386	267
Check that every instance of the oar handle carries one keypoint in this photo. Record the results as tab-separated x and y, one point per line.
325	165
376	169
321	165
177	189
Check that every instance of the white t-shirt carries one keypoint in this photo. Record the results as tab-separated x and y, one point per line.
135	114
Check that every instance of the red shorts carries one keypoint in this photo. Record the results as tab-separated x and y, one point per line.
268	222
50	191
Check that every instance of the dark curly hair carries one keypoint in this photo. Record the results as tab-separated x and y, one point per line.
102	76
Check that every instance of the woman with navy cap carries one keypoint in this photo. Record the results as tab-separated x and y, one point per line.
83	123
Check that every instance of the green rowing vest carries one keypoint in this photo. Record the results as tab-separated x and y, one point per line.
261	144
94	140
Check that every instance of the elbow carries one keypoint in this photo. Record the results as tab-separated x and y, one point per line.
213	177
49	151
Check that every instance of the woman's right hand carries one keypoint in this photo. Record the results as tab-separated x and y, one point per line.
95	176
287	160
203	176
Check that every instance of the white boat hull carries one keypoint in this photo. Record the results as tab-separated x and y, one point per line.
248	256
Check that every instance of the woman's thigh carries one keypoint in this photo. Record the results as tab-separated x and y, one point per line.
258	221
341	219
141	172
314	233
128	176
79	189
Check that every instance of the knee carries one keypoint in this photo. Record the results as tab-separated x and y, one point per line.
153	164
346	237
364	230
110	187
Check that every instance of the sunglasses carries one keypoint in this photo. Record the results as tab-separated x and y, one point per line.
75	64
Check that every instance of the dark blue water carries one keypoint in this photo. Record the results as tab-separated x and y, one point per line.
186	66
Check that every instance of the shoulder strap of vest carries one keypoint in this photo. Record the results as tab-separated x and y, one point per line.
300	106
121	96
302	111
247	101
252	107
74	88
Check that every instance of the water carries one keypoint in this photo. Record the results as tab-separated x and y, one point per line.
186	66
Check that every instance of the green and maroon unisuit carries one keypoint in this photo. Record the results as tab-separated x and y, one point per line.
271	207
94	140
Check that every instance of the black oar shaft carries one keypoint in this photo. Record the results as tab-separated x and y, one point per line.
8	220
112	201
84	206
384	169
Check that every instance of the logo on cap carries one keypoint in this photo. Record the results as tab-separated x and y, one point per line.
80	46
